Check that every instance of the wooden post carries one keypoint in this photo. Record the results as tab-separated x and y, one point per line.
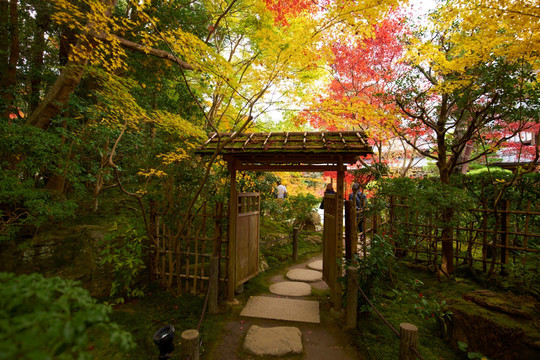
408	340
214	285
352	297
233	215
375	224
392	214
351	230
295	244
190	345
505	227
336	296
484	238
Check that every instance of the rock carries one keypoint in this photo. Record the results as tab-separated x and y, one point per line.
263	265
71	253
312	222
275	341
490	300
496	334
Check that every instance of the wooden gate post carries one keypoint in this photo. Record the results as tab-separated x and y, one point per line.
233	212
408	340
352	297
351	230
337	291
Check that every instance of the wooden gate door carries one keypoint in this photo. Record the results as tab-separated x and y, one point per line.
330	248
247	237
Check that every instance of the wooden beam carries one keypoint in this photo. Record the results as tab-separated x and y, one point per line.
288	168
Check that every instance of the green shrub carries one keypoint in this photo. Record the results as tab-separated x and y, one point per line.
372	269
51	318
124	251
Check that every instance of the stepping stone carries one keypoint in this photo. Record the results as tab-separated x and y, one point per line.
291	288
315	265
304	275
282	309
275	341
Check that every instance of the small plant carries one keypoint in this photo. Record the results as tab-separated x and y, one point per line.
123	250
376	265
471	355
524	272
51	318
427	309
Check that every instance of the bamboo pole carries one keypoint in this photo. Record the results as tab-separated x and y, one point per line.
213	285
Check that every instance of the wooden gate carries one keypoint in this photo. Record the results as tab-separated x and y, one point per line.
247	237
330	248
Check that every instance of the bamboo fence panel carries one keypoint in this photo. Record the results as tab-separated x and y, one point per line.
495	237
183	258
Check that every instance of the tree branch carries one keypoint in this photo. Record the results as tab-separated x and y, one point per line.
141	48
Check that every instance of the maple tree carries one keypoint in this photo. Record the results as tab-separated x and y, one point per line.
453	98
463	90
362	72
214	66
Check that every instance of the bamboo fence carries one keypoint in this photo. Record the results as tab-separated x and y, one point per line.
182	257
486	239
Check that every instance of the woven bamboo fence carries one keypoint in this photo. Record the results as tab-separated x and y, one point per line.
486	239
182	252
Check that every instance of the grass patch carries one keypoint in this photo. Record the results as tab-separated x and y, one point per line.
143	317
378	341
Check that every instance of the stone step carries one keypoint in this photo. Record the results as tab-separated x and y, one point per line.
274	341
267	307
316	265
290	288
304	275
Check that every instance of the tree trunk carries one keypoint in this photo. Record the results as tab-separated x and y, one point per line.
38	49
67	40
4	42
69	78
8	90
447	261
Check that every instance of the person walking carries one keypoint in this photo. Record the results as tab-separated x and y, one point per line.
329	190
360	201
281	190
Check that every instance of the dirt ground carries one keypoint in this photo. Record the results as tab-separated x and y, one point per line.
321	341
324	341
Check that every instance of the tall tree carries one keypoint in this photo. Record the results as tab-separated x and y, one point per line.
463	88
362	70
10	76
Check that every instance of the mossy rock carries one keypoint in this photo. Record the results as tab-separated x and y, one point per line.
500	326
71	253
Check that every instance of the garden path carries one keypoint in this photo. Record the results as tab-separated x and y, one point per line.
288	319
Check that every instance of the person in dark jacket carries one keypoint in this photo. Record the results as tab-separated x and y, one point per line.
360	204
329	190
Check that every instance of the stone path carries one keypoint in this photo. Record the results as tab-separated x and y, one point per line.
293	319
